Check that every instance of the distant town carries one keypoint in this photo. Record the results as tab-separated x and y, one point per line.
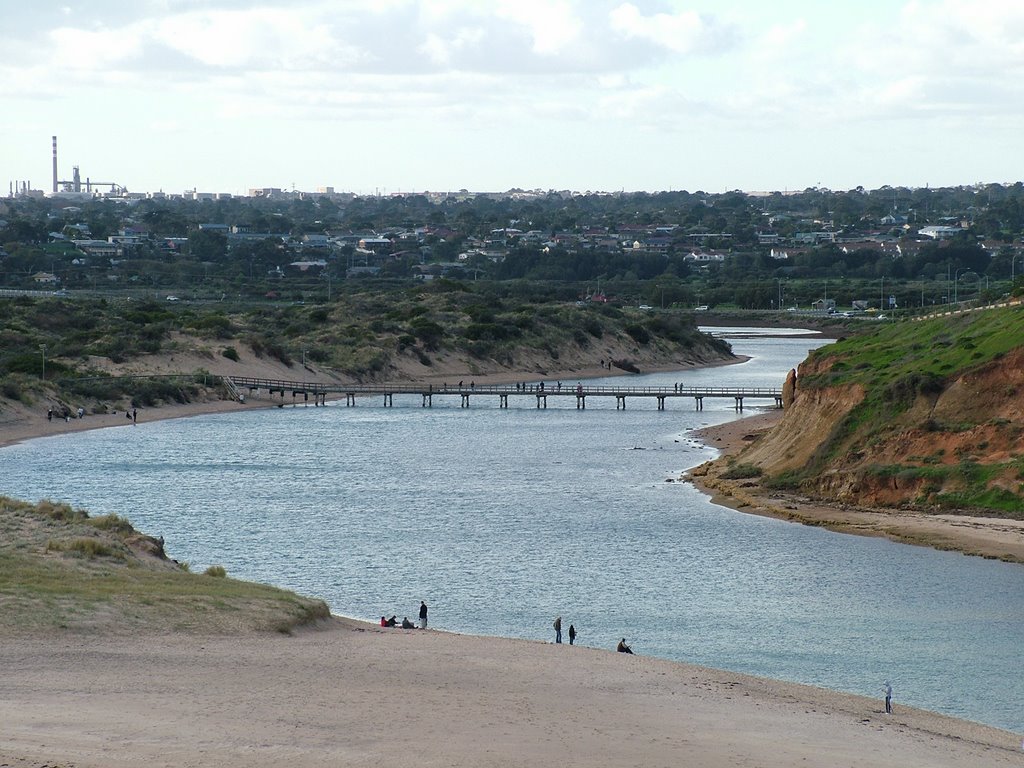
778	250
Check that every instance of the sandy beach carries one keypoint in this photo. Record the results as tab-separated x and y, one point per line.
357	695
352	694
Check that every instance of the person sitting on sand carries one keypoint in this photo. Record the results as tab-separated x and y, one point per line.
393	621
383	621
622	647
406	624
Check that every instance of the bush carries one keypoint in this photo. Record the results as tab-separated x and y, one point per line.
216	571
111	523
90	548
230	353
742	472
638	333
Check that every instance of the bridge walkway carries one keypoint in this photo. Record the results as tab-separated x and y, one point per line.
319	392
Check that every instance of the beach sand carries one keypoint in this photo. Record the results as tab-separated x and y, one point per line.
352	694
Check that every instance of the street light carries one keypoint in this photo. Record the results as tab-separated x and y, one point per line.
956	277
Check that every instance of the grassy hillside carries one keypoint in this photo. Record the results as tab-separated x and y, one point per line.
928	414
61	569
365	336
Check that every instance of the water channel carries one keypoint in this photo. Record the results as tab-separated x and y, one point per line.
502	519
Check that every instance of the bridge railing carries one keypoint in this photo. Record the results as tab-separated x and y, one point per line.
503	389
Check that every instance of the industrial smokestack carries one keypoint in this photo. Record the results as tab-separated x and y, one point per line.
55	165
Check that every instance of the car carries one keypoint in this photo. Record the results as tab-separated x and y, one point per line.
701	308
645	307
173	298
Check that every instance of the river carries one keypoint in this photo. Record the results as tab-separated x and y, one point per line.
503	519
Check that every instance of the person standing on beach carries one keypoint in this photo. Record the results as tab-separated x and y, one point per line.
558	630
572	634
888	697
423	615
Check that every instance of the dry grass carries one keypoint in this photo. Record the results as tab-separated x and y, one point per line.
63	570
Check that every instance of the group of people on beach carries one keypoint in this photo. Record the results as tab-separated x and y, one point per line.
558	632
620	648
406	624
133	414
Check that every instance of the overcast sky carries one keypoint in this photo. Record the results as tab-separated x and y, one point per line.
487	95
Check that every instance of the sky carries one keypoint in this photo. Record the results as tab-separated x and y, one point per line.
386	96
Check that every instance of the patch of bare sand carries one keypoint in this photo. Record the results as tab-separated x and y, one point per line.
358	695
995	538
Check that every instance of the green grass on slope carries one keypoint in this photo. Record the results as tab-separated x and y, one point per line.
929	349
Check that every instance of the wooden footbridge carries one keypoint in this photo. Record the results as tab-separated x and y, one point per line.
319	392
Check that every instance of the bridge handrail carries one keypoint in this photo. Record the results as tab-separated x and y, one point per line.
503	389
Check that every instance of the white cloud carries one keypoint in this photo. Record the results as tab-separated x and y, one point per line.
684	32
553	24
256	38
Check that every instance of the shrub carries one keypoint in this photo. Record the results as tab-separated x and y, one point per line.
216	571
742	472
593	326
638	333
90	548
230	353
111	523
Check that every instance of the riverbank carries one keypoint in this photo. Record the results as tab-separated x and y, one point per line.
349	693
353	694
995	538
19	423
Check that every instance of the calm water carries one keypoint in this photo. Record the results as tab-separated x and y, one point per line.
503	519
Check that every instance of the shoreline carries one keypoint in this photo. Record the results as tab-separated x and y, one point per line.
348	693
989	537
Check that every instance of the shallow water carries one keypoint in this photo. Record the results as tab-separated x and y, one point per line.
503	519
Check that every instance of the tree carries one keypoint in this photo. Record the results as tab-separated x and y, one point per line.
207	245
